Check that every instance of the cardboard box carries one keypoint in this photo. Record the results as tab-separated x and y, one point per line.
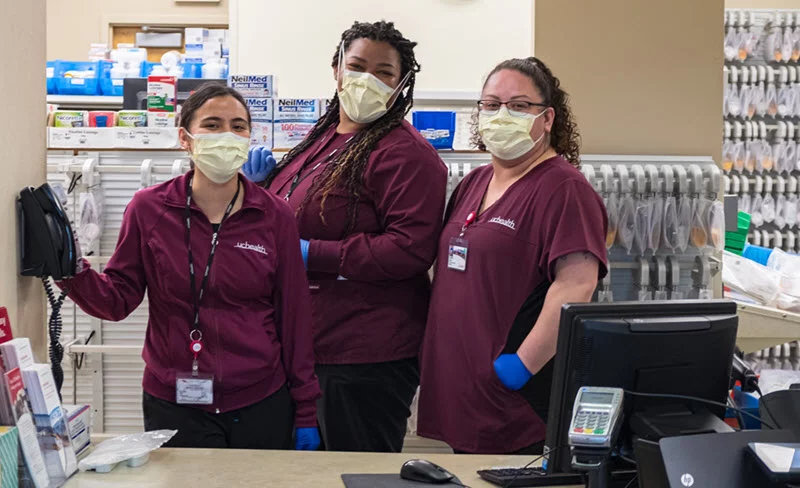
294	119
162	93
253	86
195	35
79	419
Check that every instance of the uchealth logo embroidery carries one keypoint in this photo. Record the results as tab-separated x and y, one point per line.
252	247
504	222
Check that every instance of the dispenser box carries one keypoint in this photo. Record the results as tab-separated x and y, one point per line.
294	119
253	86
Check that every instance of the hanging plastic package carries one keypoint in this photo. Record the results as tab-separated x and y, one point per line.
612	209
626	226
727	156
133	448
738	156
790	210
760	99
731	44
699	235
641	234
779	156
785	101
752	153
745	202
656	222
772	46
789	157
752	102
766	161
772	100
748	45
787	46
780	211
90	221
756	215
734	102
745	99
768	208
685	212
669	239
716	226
796	46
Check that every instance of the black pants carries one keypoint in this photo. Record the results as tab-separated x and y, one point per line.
365	407
268	424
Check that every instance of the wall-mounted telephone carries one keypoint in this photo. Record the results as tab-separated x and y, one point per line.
48	250
48	243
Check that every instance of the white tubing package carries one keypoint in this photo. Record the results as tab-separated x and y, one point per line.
134	449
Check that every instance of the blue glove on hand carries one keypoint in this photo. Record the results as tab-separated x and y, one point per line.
259	165
512	373
304	245
307	439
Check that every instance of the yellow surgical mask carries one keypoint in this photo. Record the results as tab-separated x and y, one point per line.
507	136
219	156
364	97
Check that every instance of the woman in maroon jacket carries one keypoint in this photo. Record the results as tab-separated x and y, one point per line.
368	193
522	237
228	348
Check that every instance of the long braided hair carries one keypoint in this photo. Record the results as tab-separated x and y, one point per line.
346	171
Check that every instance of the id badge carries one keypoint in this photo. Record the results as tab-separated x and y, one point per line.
457	254
194	390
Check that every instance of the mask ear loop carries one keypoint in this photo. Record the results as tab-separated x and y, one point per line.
397	91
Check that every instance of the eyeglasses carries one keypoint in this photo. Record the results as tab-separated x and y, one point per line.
493	106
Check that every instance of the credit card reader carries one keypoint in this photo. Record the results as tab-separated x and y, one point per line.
596	421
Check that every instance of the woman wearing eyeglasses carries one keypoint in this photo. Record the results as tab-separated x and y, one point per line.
522	237
368	192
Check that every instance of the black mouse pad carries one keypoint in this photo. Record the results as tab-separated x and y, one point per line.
387	481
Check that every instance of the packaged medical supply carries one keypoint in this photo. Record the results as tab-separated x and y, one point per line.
17	353
195	35
102	119
132	118
9	456
294	119
134	448
750	278
161	93
70	118
79	419
261	112
161	119
253	86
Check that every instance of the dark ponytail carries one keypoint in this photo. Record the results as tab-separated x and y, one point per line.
564	136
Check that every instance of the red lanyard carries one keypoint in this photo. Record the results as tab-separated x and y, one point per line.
470	219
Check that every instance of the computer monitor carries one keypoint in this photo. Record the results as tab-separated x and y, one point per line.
670	347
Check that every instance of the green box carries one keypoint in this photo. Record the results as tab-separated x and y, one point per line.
9	456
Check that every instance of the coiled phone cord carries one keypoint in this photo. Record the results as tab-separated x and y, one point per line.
55	325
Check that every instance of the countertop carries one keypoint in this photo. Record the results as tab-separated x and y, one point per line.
179	468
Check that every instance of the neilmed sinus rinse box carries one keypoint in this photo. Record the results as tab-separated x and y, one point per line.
261	112
294	119
253	86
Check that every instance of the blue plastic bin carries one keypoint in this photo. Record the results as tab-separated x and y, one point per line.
438	127
77	86
51	78
108	86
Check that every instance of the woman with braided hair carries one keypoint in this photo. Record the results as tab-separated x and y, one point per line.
368	192
522	237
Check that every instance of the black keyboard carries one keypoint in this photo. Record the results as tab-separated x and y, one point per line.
527	477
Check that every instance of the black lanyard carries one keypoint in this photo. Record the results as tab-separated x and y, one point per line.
195	334
299	179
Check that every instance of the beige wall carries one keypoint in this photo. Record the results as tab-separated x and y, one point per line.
22	138
644	77
74	24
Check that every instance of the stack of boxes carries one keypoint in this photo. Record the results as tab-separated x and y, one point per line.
203	45
258	92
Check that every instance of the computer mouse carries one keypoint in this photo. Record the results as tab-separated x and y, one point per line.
425	472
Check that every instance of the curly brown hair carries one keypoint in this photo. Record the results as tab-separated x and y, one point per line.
564	136
346	171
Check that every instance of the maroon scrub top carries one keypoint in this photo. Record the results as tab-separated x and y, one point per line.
512	250
370	286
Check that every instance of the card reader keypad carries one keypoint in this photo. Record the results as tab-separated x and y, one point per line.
592	422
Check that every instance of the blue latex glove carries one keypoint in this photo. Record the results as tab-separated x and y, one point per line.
304	245
512	373
307	439
259	165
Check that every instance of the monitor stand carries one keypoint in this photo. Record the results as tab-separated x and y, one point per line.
658	422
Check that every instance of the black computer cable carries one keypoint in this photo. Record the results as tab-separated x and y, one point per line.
739	417
766	407
698	400
630	483
519	471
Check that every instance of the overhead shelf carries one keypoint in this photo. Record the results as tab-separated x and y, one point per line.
85	102
762	327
